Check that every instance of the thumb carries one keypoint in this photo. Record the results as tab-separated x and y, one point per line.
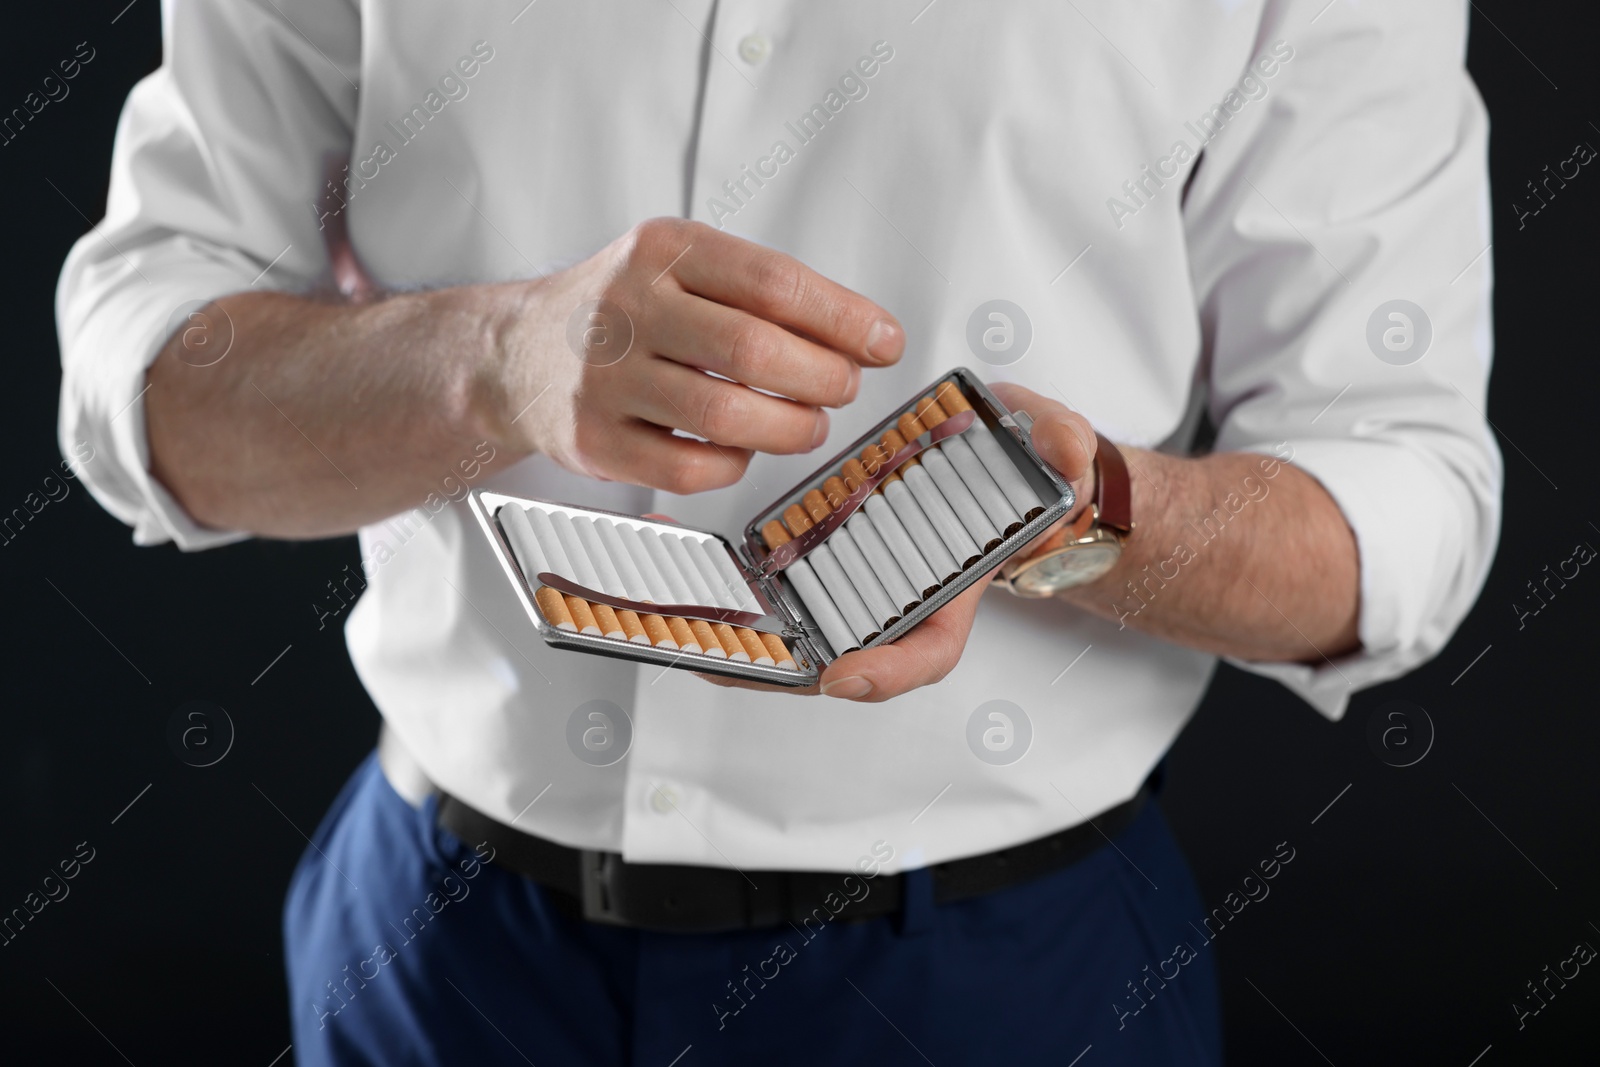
1062	437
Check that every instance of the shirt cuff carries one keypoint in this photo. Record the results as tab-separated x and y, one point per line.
104	388
1412	539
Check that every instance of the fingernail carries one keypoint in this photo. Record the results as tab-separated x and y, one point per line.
820	434
884	341
853	688
1083	441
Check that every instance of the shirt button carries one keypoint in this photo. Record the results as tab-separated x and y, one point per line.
664	799
754	48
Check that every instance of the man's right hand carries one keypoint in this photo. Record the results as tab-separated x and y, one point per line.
711	326
320	416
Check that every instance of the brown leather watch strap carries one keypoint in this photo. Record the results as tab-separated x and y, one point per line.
1113	491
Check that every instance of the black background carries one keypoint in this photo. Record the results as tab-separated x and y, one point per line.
1401	933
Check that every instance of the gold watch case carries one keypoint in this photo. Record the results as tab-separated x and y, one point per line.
1075	556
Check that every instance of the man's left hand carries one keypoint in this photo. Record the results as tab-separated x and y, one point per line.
933	648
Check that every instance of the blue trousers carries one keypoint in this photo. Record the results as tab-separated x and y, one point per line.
403	947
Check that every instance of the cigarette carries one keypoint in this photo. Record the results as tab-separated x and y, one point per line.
944	520
729	641
605	570
682	635
991	455
610	625
632	564
855	565
554	609
699	591
584	572
883	563
707	586
570	530
524	546
707	638
594	551
554	555
700	555
737	653
834	579
669	555
941	563
633	584
678	591
683	552
655	628
808	587
575	564
655	585
754	648
879	558
994	503
778	651
692	578
902	549
952	488
564	613
735	582
582	617
632	628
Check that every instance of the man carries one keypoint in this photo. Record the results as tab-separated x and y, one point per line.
1266	216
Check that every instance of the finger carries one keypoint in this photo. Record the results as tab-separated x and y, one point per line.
726	413
700	333
922	657
761	687
1062	437
781	289
640	454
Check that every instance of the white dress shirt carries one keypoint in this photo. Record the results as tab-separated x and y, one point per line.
1025	151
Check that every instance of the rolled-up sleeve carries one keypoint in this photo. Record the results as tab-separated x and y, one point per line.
220	156
1359	179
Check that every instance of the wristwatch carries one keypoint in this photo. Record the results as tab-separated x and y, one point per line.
1087	548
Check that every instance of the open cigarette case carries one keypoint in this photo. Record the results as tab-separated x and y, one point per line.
882	535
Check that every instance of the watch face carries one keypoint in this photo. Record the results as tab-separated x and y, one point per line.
1071	566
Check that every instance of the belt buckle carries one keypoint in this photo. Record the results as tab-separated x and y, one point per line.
597	891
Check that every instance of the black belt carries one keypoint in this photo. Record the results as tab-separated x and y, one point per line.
603	887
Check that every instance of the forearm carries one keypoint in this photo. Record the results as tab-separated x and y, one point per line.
1236	554
323	415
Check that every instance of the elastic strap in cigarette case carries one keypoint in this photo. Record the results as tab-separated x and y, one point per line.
801	546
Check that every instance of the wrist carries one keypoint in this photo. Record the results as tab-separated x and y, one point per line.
1149	483
498	370
1152	480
